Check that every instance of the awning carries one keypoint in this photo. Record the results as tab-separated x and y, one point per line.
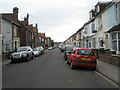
114	28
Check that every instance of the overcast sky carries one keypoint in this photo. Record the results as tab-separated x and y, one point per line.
59	19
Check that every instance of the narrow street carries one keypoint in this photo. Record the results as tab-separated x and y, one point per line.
51	71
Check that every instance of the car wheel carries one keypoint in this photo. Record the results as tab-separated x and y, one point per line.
65	57
33	56
68	62
72	66
12	61
93	68
28	58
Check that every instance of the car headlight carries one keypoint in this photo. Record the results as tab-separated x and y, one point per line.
25	54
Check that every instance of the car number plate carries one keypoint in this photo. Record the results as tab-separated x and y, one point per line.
86	58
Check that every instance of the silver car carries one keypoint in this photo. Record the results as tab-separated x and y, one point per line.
24	53
41	49
37	52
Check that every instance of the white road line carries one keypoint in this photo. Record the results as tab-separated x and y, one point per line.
113	83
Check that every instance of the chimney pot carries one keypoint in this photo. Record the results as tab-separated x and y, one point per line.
15	10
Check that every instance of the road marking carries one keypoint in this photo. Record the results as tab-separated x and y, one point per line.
113	83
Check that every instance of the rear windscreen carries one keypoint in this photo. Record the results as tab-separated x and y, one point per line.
85	52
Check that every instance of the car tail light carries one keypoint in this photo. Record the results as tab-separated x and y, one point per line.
94	58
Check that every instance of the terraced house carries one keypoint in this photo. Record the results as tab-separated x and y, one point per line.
103	28
0	36
10	31
16	33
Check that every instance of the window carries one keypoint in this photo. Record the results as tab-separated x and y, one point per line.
117	12
42	39
114	45
119	45
93	27
15	31
119	40
100	22
83	44
113	36
101	43
119	35
18	32
90	44
94	43
114	41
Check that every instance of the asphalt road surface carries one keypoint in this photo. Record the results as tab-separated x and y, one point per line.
51	71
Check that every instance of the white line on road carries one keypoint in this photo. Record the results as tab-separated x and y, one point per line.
113	83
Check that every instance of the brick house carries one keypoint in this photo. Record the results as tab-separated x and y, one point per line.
16	33
42	39
29	35
35	36
10	31
49	42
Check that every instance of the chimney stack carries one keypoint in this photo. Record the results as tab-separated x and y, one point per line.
27	16
15	11
36	25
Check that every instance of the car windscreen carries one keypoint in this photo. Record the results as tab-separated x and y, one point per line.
85	52
21	49
35	49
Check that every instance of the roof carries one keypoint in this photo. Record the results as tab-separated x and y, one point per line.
42	35
10	17
35	29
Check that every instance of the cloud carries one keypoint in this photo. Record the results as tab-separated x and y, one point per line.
59	19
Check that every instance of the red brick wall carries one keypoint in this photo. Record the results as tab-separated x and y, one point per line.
115	60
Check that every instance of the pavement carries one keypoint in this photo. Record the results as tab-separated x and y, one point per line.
108	70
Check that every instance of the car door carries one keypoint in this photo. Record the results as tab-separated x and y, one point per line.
73	55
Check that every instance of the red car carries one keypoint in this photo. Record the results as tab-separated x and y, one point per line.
83	57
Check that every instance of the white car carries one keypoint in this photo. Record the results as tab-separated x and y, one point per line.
50	48
41	49
24	53
37	52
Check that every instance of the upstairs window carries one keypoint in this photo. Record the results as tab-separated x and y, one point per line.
100	22
117	12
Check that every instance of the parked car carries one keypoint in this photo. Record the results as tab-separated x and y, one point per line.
23	53
68	49
37	52
41	49
62	48
83	57
50	48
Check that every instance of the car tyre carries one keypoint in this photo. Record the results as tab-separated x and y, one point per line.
28	58
68	62
65	58
72	66
33	56
93	68
12	61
